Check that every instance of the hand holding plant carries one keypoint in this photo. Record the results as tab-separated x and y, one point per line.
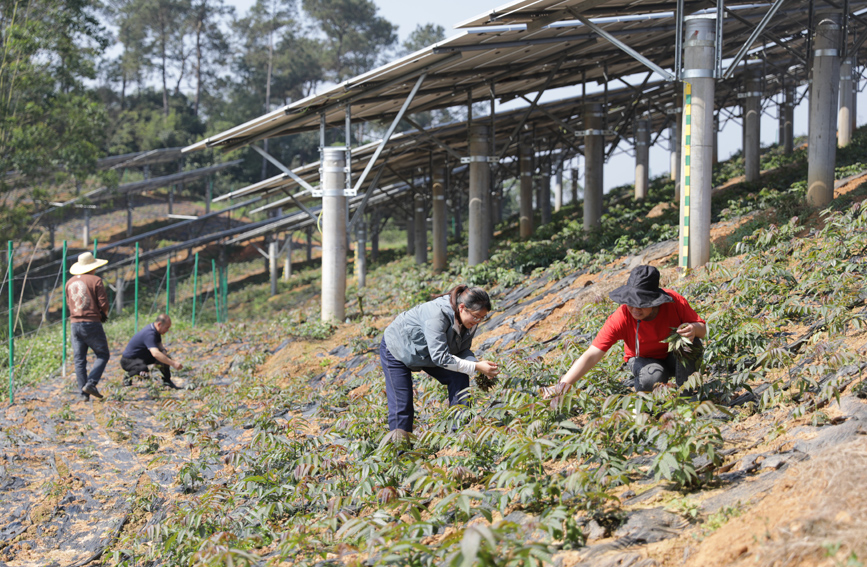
681	344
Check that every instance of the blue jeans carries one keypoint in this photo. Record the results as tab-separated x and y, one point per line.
398	388
89	334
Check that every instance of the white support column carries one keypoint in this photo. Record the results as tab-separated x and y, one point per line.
558	191
410	228
273	245
697	133
118	295
676	144
287	261
642	157
333	234
128	216
480	183
440	226
526	166
420	226
715	154
787	120
822	148
844	116
361	253
752	109
85	231
594	159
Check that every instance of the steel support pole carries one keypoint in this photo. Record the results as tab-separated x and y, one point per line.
480	183
63	307
697	133
752	109
118	294
333	235
822	148
420	227
844	115
195	285
574	186
594	155
787	131
642	157
715	152
526	163
440	222
558	191
374	235
85	231
272	265
287	261
545	197
410	229
11	289
361	253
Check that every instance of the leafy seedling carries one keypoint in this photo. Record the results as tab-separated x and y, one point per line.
684	349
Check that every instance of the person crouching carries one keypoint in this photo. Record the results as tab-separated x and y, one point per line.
145	348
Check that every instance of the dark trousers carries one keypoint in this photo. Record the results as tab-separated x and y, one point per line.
89	334
649	372
398	388
135	366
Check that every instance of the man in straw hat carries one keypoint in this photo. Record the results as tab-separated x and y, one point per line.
643	321
88	309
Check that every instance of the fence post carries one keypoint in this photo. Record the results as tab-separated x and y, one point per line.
225	294
63	308
195	285
216	289
11	322
95	244
136	287
168	282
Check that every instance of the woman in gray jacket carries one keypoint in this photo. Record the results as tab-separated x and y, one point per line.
435	337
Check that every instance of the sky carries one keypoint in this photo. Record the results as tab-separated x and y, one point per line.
619	170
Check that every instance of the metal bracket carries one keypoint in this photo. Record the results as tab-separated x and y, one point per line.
826	53
319	193
594	132
750	94
483	159
698	74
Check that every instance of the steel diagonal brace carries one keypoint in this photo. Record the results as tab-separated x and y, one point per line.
753	36
283	168
526	115
390	131
360	210
773	37
616	42
427	135
639	93
552	116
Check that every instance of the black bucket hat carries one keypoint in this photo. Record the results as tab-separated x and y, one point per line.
641	289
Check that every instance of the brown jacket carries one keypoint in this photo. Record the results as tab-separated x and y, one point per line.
86	298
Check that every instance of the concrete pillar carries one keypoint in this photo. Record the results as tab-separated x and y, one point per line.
361	253
558	191
526	201
128	216
333	234
676	157
715	151
822	148
171	199
373	235
410	229
752	109
787	120
85	231
420	226
574	186
440	226
118	295
545	197
642	157
697	132
209	196
272	264
844	114
480	183
854	113
594	156
287	261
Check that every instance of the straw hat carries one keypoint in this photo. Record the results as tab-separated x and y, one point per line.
86	263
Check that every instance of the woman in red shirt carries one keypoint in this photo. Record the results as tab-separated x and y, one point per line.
645	318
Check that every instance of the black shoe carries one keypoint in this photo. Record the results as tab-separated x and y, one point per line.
169	384
91	389
127	380
82	397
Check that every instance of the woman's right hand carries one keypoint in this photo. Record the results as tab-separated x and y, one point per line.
487	368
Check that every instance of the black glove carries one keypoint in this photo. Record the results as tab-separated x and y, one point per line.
103	317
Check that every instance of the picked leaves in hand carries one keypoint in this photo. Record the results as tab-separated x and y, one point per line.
683	348
485	383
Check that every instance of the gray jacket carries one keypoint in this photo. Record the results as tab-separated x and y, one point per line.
427	335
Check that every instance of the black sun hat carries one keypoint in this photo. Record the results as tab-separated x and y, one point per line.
641	289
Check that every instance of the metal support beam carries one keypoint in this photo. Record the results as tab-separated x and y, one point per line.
272	265
526	169
420	226
442	145
759	29
295	177
359	212
440	226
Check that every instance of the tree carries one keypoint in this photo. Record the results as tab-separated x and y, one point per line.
355	37
50	126
211	44
423	36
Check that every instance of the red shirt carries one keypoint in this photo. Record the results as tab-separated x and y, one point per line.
620	326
